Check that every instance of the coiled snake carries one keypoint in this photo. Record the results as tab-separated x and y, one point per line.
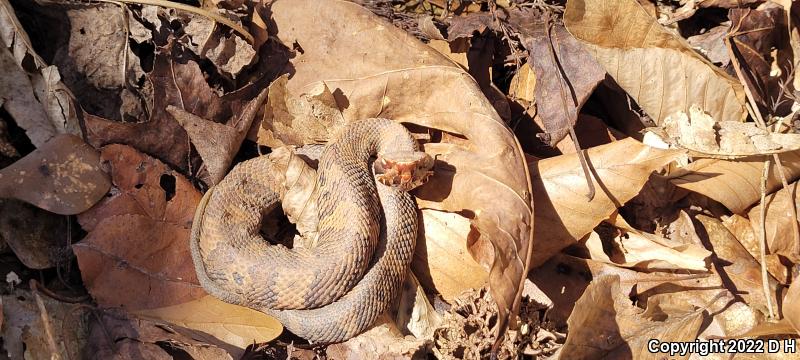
336	289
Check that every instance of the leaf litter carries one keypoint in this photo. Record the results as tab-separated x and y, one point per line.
512	259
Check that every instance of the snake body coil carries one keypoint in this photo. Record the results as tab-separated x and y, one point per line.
336	289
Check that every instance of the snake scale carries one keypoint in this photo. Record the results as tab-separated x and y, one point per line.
366	235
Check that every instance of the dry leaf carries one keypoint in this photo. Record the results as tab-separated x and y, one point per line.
235	325
383	341
711	44
735	184
20	101
441	259
150	267
742	229
734	263
25	336
606	325
780	233
699	132
62	176
143	269
40	239
563	83
563	214
133	339
489	166
639	250
791	305
658	69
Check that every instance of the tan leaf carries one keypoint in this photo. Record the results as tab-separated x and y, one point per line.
645	251
235	325
563	214
62	176
735	184
780	233
442	260
20	101
658	69
699	132
606	325
791	306
489	180
732	261
742	229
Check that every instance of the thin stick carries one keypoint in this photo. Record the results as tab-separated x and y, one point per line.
753	110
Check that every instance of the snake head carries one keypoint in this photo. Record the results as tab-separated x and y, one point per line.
404	169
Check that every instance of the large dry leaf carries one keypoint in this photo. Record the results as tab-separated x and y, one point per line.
735	184
742	229
51	96
235	325
734	264
658	69
564	79
605	325
62	176
791	305
563	214
778	222
150	267
645	251
479	171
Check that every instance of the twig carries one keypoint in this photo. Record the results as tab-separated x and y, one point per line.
34	285
756	114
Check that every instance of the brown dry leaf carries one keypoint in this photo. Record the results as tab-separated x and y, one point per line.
563	83
480	170
606	325
756	33
383	341
133	339
728	4
711	44
51	95
658	69
20	101
523	85
791	305
235	325
700	133
179	85
310	118
62	176
563	214
150	267
143	269
647	252
780	233
742	229
735	184
40	239
441	258
734	263
25	336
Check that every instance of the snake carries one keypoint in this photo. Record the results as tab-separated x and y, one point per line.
366	232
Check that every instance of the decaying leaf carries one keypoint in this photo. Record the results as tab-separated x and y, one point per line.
483	175
645	251
735	264
735	184
791	305
563	214
19	100
605	324
40	239
658	69
780	233
564	80
62	176
119	336
26	336
150	267
235	325
699	132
